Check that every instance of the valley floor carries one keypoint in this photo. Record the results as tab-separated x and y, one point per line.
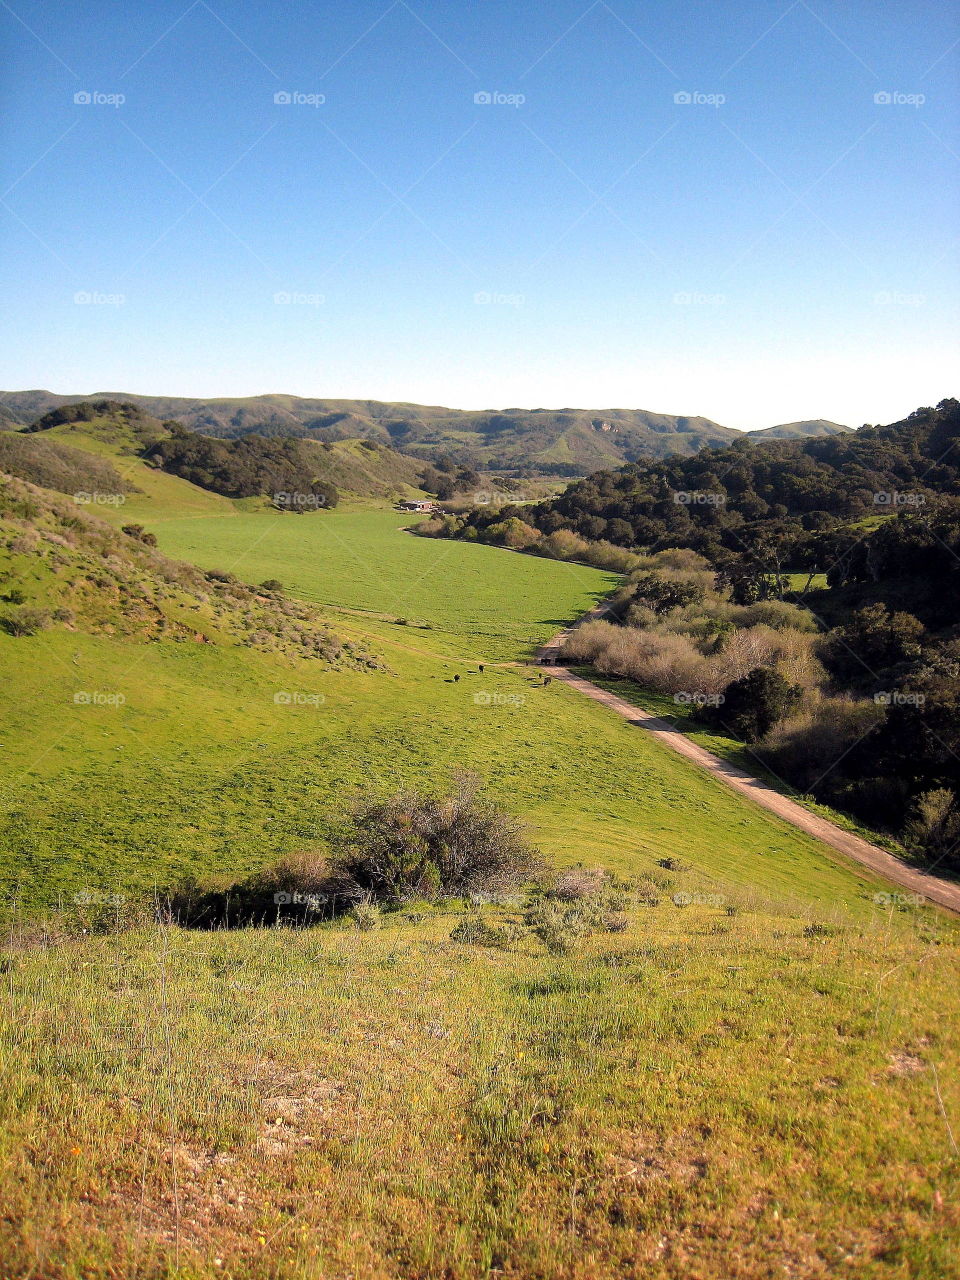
758	1078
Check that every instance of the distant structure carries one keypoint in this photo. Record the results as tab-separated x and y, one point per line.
411	505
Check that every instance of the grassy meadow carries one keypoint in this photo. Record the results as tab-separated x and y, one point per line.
720	1092
757	1078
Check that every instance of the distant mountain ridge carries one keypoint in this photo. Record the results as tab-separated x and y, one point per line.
805	430
566	441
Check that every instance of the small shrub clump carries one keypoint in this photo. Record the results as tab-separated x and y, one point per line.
24	620
414	845
366	915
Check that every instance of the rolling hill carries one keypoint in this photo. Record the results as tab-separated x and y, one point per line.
360	468
723	1069
564	441
805	430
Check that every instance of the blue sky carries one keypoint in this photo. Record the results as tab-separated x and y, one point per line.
782	245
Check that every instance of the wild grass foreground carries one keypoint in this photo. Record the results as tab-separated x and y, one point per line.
707	1086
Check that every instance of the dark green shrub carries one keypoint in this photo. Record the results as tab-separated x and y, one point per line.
24	620
417	845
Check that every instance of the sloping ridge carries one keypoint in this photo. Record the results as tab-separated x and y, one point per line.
945	893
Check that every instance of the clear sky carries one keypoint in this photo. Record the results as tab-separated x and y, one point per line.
782	245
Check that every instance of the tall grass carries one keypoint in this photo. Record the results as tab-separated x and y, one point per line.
711	1093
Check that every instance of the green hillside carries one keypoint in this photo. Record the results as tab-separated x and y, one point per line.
185	737
748	1069
358	468
574	440
800	430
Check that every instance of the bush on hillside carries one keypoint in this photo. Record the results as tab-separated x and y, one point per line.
418	845
753	705
824	731
138	532
24	620
296	889
54	465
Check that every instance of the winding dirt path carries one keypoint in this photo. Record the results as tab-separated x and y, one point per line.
944	893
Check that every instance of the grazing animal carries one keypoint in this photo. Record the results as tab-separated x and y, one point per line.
456	679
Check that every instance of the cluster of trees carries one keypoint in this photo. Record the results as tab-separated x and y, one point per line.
285	469
446	479
754	495
54	465
848	690
90	411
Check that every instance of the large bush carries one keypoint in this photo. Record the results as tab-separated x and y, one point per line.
753	705
419	845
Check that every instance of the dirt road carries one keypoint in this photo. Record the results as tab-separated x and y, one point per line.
945	893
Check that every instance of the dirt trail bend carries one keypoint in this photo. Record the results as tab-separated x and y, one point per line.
944	893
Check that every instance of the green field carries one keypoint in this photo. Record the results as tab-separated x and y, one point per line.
754	1079
494	604
201	771
711	1095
